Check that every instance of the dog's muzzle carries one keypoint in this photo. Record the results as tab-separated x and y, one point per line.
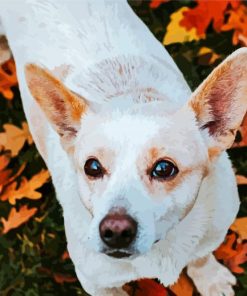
118	231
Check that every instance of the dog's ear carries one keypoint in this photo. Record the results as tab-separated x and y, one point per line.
220	102
62	107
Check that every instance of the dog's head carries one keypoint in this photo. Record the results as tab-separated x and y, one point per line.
139	169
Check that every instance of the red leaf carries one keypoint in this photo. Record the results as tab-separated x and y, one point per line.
156	3
206	12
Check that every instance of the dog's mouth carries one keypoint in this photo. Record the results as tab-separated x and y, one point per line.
118	254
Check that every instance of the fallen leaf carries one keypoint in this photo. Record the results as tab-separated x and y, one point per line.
16	218
65	255
62	278
240	227
241	180
243	132
207	12
156	3
207	56
145	287
225	250
232	253
14	137
237	21
6	175
27	188
175	33
183	287
240	258
8	79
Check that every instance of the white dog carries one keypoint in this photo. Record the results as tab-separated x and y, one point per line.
138	162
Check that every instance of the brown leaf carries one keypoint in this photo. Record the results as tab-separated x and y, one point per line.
16	218
62	278
240	227
6	175
8	79
183	287
145	287
241	180
14	138
27	188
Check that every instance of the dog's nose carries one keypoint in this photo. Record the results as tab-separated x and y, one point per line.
118	230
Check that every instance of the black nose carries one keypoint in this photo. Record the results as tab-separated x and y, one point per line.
118	230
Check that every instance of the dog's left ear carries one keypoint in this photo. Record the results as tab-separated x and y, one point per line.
62	107
220	102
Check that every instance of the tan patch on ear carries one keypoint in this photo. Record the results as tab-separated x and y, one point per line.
62	107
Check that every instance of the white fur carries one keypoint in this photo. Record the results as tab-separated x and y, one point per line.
91	42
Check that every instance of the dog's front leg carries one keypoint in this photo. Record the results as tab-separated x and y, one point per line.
210	277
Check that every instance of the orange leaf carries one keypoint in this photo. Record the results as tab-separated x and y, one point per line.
15	218
27	188
232	256
225	250
156	3
243	132
237	21
241	180
65	255
240	227
7	79
14	138
206	12
6	176
62	278
240	258
183	287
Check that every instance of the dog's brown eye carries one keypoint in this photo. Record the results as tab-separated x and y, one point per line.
163	170
93	168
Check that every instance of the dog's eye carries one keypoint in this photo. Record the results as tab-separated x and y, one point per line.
163	170
93	168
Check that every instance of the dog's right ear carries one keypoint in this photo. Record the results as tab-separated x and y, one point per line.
62	107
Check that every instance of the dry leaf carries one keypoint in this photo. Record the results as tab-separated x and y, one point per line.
145	287
14	138
16	218
238	22
232	253
27	188
240	258
7	79
225	250
156	3
6	175
207	56
176	33
243	132
183	287
240	227
62	278
241	180
206	12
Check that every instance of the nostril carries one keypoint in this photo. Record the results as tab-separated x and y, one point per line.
126	233
108	234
